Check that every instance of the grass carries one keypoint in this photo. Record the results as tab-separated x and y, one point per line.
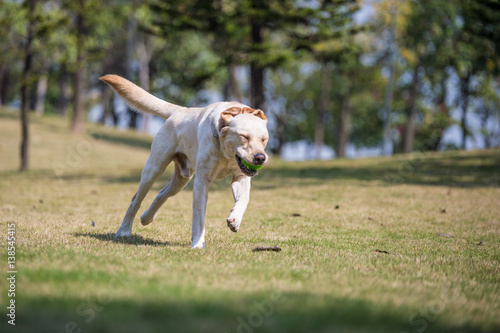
328	277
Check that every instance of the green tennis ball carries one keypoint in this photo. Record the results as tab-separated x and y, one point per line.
250	166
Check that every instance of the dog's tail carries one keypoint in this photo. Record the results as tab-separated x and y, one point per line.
140	99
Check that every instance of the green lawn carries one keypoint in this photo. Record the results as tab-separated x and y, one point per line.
75	277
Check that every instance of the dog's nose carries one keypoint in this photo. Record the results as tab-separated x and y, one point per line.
259	159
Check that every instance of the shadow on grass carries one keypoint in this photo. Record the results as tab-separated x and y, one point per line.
132	240
466	171
119	138
481	170
9	113
457	169
226	311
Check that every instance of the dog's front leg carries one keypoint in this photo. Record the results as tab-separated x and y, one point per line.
200	196
241	194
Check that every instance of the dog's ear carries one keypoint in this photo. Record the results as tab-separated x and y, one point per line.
226	116
258	113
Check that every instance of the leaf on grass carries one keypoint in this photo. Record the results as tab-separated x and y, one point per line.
480	242
381	251
267	248
444	235
296	215
337	206
443	210
93	223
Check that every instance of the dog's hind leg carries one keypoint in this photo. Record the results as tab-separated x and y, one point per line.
158	160
180	178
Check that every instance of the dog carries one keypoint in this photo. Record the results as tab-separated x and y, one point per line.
224	138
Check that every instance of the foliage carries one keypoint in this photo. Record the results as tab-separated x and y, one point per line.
443	39
298	87
187	65
431	127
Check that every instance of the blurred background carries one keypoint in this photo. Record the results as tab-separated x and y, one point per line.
336	78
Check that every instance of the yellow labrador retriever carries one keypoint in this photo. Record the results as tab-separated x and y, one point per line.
225	138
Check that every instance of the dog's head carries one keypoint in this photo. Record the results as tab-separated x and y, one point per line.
243	136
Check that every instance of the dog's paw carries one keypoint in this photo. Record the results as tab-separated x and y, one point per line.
233	225
145	219
123	233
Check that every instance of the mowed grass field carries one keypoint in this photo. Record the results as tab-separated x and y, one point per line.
361	250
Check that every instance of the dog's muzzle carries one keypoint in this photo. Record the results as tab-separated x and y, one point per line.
245	167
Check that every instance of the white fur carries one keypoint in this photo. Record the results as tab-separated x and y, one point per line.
201	142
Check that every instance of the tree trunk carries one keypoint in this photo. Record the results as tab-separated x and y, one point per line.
279	134
442	109
409	131
465	91
131	44
4	78
79	78
41	92
25	88
106	95
389	90
343	129
232	89
323	105
484	127
144	54
256	72
132	122
63	84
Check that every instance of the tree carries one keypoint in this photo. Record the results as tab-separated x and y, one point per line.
487	107
477	37
389	21
25	84
331	41
324	103
424	52
146	45
51	47
439	37
262	34
354	97
95	30
145	49
256	67
80	75
13	23
413	49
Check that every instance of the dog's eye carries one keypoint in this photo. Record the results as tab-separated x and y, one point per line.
264	140
245	138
